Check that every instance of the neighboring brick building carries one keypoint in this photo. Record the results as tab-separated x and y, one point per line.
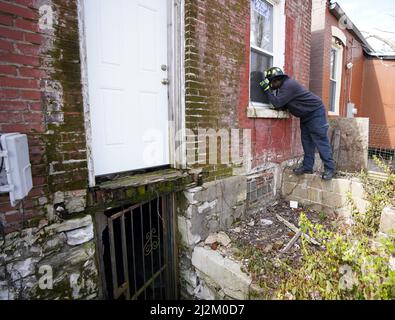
344	72
107	190
336	42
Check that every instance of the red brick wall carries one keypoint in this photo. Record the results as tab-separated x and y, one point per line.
279	140
215	55
354	83
298	40
217	72
318	35
40	95
353	52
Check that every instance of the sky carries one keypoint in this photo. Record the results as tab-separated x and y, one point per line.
376	17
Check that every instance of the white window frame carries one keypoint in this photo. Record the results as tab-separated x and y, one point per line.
257	109
339	72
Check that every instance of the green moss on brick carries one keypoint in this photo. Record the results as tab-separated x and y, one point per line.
67	71
213	68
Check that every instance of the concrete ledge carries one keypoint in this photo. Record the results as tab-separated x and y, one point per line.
223	272
266	112
326	196
387	222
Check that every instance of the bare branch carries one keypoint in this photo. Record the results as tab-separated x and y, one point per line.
386	31
388	42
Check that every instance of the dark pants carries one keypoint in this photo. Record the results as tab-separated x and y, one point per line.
314	134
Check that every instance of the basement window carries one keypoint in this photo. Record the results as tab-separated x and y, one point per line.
267	42
259	189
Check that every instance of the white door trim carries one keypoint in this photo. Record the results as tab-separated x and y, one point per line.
176	45
176	57
85	92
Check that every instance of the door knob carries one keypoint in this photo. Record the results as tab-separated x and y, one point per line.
165	81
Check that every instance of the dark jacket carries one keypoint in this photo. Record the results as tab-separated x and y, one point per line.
297	99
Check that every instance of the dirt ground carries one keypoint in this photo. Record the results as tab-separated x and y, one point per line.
265	229
261	238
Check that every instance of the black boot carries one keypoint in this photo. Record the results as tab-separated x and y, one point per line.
328	174
301	170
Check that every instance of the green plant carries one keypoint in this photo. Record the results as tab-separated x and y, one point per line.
322	216
264	268
379	194
348	267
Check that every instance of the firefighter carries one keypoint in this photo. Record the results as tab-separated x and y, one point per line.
286	93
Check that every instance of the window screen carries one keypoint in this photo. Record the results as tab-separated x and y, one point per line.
259	63
261	46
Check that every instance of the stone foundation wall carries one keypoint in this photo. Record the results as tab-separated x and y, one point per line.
217	276
211	208
350	152
50	261
325	196
203	210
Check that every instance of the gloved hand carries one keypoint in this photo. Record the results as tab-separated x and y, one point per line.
265	84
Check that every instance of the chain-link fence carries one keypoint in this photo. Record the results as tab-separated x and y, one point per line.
381	145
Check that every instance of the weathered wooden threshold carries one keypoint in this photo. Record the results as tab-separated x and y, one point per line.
142	179
137	188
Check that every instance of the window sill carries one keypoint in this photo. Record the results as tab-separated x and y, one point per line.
334	114
263	111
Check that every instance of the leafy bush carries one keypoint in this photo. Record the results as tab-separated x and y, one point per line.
346	267
379	194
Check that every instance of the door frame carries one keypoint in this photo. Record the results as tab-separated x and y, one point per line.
176	87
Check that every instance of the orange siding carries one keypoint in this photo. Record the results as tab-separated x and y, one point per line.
378	102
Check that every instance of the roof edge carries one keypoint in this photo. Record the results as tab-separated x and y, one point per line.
374	55
338	12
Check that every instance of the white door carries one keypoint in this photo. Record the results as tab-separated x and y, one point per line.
126	44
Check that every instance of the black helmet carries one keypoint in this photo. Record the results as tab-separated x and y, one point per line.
273	73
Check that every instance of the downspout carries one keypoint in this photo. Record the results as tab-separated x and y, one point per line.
351	70
345	87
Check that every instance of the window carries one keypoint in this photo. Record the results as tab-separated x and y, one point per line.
267	43
261	46
335	76
333	79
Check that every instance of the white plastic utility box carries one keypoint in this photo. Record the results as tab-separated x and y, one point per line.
15	168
